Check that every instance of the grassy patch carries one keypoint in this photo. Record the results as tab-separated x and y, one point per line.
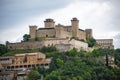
13	52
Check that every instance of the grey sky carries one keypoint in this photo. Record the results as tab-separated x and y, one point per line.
103	16
13	12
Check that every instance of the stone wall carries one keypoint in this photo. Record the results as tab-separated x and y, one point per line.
25	45
64	47
61	43
79	44
36	44
61	33
67	28
46	32
81	35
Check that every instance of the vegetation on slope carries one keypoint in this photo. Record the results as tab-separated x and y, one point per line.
3	49
91	42
13	52
73	65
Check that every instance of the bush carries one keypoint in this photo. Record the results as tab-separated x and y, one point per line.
45	49
91	42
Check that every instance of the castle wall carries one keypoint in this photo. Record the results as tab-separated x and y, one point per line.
67	28
25	45
81	35
56	41
61	42
61	33
79	44
46	32
64	47
36	44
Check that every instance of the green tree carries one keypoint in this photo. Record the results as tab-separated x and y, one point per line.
46	49
117	57
3	49
26	37
73	52
53	76
95	53
33	75
91	42
59	62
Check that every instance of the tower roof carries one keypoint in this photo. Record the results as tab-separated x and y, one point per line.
49	20
74	19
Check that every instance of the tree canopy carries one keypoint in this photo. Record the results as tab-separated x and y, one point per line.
3	49
91	42
26	37
74	65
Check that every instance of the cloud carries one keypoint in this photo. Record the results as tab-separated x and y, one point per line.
14	12
117	36
93	15
117	40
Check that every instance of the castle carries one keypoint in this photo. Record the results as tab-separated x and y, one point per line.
60	37
60	31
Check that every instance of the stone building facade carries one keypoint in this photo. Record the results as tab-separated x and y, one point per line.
26	60
60	31
18	66
105	43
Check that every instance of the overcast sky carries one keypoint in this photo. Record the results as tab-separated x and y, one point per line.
103	16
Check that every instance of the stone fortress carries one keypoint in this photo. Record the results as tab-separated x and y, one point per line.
60	31
60	37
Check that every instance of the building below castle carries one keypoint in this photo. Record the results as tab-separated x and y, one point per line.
105	43
26	60
17	65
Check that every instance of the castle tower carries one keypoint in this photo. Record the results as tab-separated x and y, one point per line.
32	31
49	23
75	25
88	33
59	33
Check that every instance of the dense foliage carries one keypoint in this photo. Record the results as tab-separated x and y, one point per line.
26	37
49	50
3	49
33	75
73	65
117	57
91	42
